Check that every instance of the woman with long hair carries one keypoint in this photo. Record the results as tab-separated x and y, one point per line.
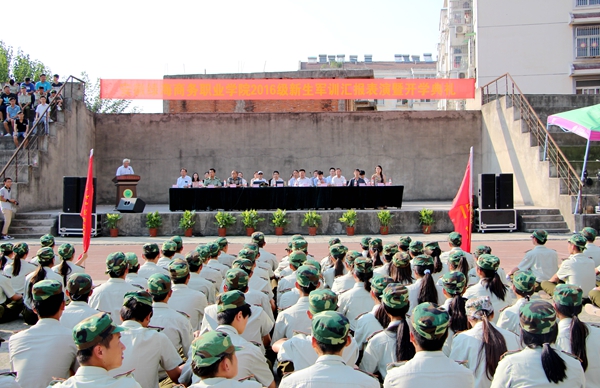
454	285
483	344
457	261
539	364
523	286
196	181
576	337
364	245
393	344
400	269
7	255
375	252
337	253
357	300
346	282
66	266
378	177
424	288
327	262
490	284
376	319
18	270
389	250
44	271
404	243
439	269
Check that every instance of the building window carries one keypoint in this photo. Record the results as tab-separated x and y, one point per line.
457	61
402	102
583	3
588	41
587	87
380	102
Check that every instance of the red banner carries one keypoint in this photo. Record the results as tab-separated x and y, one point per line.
86	208
287	89
462	207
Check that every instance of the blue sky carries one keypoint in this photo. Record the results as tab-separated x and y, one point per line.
147	39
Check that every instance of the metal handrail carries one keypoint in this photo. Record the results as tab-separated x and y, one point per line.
29	134
493	90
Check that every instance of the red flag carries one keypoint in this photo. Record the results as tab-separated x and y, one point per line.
462	207
86	209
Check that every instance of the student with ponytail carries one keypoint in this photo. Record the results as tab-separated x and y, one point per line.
364	244
389	250
457	261
404	243
375	251
393	344
43	272
483	344
539	331
575	337
337	253
424	288
357	300
374	321
400	270
7	255
439	269
66	266
18	270
327	262
490	284
454	285
523	286
346	282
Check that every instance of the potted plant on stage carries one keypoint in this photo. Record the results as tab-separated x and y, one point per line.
250	219
224	221
111	223
187	222
385	218
426	220
312	220
153	221
349	218
279	221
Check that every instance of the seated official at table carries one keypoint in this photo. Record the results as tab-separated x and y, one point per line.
212	179
125	169
234	179
303	180
338	179
276	178
244	182
196	182
357	179
320	180
259	179
184	181
363	176
378	177
293	178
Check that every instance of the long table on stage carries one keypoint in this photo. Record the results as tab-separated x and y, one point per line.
287	198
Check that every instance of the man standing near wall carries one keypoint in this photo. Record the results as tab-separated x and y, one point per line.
8	206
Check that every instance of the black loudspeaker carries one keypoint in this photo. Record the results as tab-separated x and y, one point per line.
504	191
73	192
487	191
131	205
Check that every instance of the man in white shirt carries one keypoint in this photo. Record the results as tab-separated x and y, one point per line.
125	169
276	179
302	180
292	181
338	179
79	289
8	206
41	115
184	181
541	260
260	179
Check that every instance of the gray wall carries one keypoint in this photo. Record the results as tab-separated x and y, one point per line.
426	152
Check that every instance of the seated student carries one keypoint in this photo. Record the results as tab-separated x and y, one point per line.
43	271
454	242
179	247
18	270
424	288
454	284
78	289
184	299
523	286
99	351
339	269
66	266
168	251
377	319
20	128
46	350
132	274
197	282
6	255
11	303
12	111
541	260
357	300
150	254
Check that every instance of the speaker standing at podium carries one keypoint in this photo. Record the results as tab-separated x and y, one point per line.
125	169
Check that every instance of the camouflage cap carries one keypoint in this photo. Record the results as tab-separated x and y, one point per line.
455	256
47	240
365	242
537	317
252	246
376	243
395	296
315	264
416	247
578	240
79	284
193	258
478	307
236	279
92	330
179	268
132	259
363	265
589	233
257	237
6	247
66	251
248	254
299	245
378	283
337	250
150	248
455	238
289	246
430	321
21	249
540	234
297	258
351	256
203	252
404	241
390	249
177	240
159	284
488	262
401	259
454	282
211	347
169	246
322	300
330	327
307	275
45	255
567	295
524	281
432	245
143	297
423	260
297	236
482	249
230	300
244	264
116	262
44	289
222	241
334	240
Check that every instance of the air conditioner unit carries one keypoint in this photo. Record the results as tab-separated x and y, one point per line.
460	29
461	75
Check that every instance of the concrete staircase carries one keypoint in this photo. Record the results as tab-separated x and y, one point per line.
32	225
550	220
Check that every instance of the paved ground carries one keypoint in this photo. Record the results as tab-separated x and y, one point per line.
509	247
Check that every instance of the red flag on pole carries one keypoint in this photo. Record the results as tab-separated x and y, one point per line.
462	207
86	209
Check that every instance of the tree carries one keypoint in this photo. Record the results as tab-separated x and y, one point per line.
100	105
23	66
6	54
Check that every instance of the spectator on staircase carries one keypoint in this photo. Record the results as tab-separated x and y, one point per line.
56	84
42	116
29	85
43	83
25	101
12	110
21	126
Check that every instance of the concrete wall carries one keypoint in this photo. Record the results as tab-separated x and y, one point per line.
426	152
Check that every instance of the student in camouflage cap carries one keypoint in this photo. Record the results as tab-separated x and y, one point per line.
454	284
358	300
425	288
415	248
337	255
179	242
376	320
178	269
315	264
591	249
539	363
169	248
245	264
541	260
454	242
11	303
183	298
296	259
42	272
400	269
299	245
404	243
47	240
66	252
457	261
132	274
257	237
150	253
389	250
213	249
236	279
159	284
523	285
224	258
307	276
247	253
482	249
78	288
322	300
329	338
375	251
6	249
364	244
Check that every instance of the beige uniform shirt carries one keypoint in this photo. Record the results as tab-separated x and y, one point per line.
479	289
592	346
269	258
329	276
6	289
593	251
108	297
137	280
446	255
329	371
163	262
94	377
429	369
226	259
380	351
188	301
288	299
174	325
76	312
579	270
343	283
413	293
366	325
203	285
18	281
41	353
149	268
300	352
212	275
214	264
509	317
292	319
542	261
50	275
260	299
355	302
222	382
285	284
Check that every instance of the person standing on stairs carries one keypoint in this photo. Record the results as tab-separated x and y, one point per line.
8	206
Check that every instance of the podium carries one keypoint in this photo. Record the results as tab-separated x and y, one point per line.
126	186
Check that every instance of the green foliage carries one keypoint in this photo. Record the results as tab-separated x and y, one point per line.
153	220
112	219
6	54
349	217
280	218
100	105
224	219
426	217
311	219
250	218
385	217
187	219
19	66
